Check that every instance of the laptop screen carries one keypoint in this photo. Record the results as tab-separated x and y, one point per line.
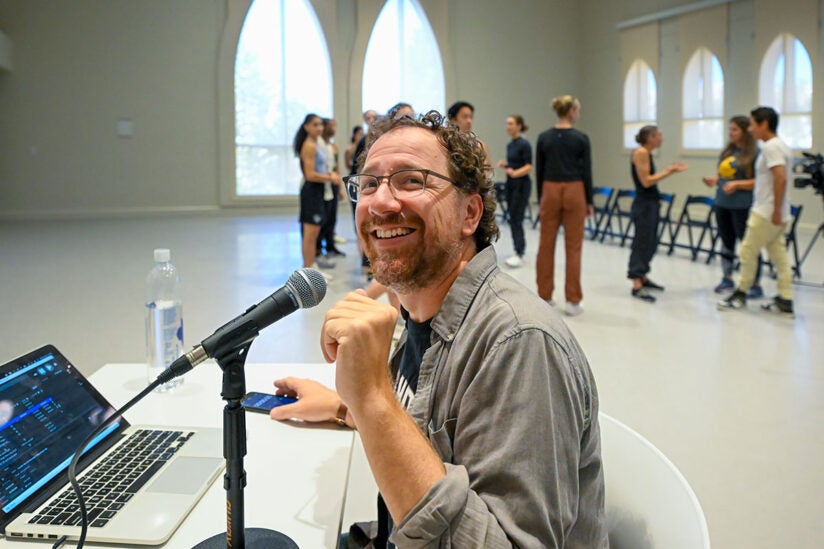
47	408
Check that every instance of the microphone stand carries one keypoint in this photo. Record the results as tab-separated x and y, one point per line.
234	449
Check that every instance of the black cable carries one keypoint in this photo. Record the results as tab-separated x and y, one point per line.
84	519
59	542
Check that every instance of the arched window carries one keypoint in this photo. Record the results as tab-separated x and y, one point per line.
282	73
640	100
703	102
403	62
786	84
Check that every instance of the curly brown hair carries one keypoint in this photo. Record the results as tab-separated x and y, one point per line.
466	159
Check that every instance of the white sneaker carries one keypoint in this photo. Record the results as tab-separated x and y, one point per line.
515	261
325	262
326	276
339	239
574	309
550	302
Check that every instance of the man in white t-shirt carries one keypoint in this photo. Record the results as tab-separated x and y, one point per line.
769	215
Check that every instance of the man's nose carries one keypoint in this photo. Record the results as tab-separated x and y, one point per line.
383	200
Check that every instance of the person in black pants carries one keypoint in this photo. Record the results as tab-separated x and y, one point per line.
734	183
518	165
645	211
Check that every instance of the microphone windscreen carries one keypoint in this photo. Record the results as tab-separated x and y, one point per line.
308	286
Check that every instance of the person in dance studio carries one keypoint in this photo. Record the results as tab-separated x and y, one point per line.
768	218
734	182
484	430
462	114
349	153
563	164
645	210
332	194
518	165
316	174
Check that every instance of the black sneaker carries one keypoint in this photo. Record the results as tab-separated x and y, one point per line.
779	305
738	300
643	295
650	285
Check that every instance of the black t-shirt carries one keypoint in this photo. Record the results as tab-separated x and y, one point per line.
418	340
518	155
563	154
650	192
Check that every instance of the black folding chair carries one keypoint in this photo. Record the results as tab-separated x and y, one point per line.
698	214
620	211
791	241
665	224
500	198
602	201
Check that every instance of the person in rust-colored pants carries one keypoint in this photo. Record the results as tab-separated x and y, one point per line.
562	203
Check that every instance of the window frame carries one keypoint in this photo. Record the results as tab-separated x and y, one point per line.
706	62
782	48
639	71
278	139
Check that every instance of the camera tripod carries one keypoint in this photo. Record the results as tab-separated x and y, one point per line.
800	261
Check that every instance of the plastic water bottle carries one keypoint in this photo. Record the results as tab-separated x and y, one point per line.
164	317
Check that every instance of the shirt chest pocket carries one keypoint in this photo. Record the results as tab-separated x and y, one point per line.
442	439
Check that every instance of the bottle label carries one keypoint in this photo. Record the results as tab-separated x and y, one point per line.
164	333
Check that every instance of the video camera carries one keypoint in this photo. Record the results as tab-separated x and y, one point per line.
812	164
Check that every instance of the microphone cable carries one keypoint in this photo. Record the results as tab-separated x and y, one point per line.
84	518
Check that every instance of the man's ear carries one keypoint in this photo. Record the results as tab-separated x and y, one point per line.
473	210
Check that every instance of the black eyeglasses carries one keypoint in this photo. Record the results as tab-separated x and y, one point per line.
403	184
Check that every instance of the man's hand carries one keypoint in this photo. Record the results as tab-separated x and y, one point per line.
357	335
315	403
777	218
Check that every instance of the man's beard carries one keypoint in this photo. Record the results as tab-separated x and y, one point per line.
412	268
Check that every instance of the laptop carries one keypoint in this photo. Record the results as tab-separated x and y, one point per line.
146	478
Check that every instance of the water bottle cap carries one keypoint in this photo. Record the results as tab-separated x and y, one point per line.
162	255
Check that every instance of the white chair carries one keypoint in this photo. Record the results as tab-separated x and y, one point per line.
649	503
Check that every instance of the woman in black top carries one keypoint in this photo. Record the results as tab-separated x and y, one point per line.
644	212
518	164
563	166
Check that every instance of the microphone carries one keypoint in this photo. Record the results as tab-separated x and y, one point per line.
304	289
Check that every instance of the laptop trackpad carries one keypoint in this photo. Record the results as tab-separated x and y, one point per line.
185	475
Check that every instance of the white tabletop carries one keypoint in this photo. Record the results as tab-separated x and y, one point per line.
296	475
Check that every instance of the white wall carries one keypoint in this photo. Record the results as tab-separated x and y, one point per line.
79	67
167	66
602	83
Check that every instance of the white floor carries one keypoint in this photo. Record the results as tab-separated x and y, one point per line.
735	400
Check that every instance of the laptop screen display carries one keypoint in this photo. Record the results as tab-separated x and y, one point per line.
47	409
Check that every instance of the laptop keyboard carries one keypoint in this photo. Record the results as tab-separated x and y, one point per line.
114	480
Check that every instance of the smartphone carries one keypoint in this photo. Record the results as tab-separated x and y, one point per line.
263	402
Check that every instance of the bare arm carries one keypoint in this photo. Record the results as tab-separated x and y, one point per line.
739	185
641	160
307	160
520	172
779	174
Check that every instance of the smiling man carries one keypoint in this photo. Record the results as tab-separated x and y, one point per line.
484	430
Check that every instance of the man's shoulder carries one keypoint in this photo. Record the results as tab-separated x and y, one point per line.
509	308
776	152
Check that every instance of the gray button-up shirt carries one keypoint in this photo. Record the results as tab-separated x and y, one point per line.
507	400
